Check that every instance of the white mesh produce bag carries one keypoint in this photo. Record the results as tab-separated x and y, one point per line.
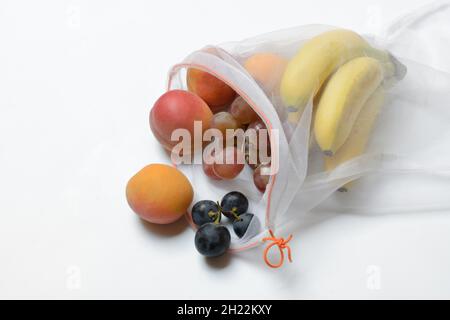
392	133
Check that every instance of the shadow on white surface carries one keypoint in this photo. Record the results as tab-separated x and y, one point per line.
169	230
219	262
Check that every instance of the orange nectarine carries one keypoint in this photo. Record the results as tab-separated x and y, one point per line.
216	93
266	68
159	193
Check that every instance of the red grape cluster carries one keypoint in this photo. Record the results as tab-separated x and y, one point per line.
229	162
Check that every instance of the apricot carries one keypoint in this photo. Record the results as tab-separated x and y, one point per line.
266	68
159	193
216	93
178	109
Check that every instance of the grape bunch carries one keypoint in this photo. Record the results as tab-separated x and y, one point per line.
213	238
240	115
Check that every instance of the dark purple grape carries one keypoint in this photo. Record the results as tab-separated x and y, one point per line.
205	211
234	203
240	226
212	240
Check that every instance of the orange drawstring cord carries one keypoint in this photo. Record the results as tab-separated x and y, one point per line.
282	244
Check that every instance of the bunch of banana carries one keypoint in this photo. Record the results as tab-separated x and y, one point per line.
342	100
344	77
359	135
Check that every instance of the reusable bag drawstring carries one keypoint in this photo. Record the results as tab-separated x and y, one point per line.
282	244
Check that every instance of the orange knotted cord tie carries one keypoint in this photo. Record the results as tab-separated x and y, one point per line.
282	244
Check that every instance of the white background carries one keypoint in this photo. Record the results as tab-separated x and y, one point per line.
77	80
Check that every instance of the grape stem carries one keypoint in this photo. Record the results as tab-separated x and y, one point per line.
217	218
216	215
235	215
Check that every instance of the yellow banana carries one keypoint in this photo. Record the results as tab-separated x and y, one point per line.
360	134
318	58
345	94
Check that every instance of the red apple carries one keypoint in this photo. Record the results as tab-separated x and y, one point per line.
178	109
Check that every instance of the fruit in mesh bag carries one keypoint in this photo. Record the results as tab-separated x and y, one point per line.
216	93
228	163
223	164
208	166
159	193
241	224
223	121
257	144
178	109
360	134
342	99
261	176
266	68
242	112
318	58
